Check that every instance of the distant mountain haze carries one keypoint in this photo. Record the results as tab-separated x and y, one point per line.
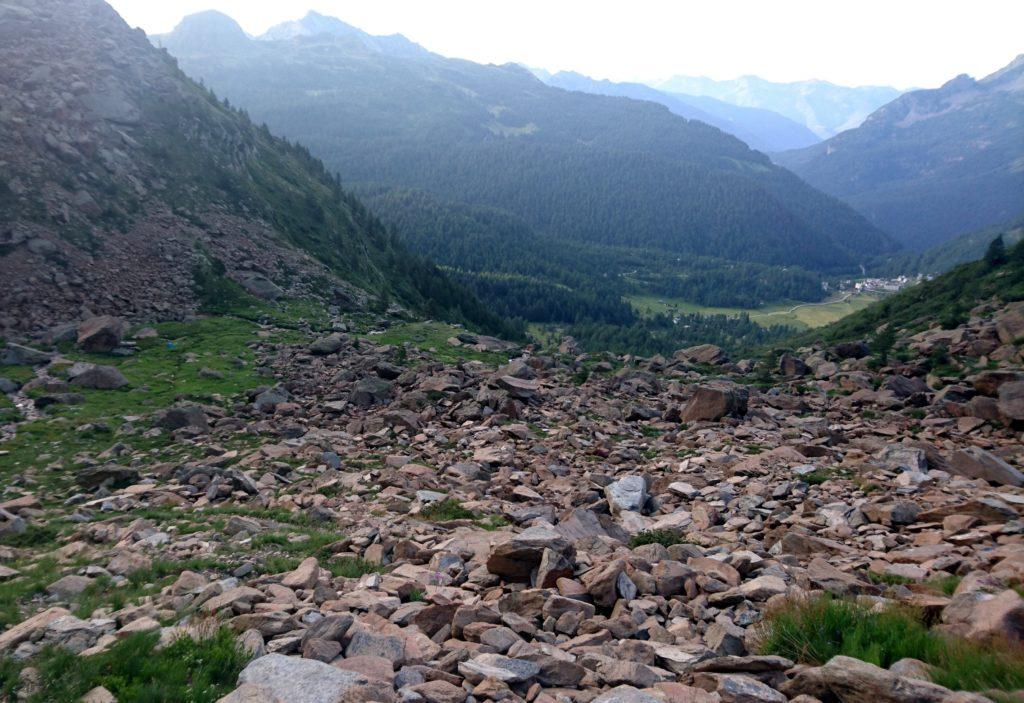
314	24
580	167
932	164
824	108
761	129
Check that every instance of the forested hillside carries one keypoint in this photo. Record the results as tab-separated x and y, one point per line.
581	168
963	249
946	300
932	164
154	198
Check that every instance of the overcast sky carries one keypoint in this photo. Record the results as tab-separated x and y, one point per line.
905	43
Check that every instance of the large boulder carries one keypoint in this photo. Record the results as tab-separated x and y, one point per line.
101	334
989	382
259	285
370	391
1010	323
297	680
999	619
974	462
850	680
93	477
1011	400
16	355
629	493
502	668
712	403
905	386
328	345
790	365
192	416
851	350
703	354
517	557
106	378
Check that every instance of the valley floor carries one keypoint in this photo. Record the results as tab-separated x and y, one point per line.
791	314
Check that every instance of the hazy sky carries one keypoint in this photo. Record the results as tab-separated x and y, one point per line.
903	43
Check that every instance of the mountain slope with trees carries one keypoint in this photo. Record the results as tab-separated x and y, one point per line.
129	189
960	250
945	300
933	163
584	168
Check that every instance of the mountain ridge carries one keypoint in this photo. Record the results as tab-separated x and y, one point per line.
932	164
763	130
824	107
428	122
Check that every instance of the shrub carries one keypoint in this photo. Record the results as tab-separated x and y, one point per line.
889	579
818	477
445	511
665	538
812	631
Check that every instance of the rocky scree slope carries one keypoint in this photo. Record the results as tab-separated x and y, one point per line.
394	517
125	185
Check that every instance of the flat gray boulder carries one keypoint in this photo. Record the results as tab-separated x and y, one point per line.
296	680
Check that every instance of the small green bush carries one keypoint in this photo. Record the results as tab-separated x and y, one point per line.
35	535
818	477
889	579
445	511
665	538
812	631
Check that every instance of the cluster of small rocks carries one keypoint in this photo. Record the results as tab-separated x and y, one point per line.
837	477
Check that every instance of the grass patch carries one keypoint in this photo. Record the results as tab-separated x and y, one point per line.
946	585
666	538
35	535
33	581
819	476
815	630
136	672
164	370
493	522
353	567
889	579
432	338
445	511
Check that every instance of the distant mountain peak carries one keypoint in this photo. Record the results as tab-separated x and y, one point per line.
210	30
315	24
312	24
824	107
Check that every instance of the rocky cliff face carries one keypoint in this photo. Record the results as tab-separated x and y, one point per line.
119	176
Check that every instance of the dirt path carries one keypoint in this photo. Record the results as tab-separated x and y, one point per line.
793	309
